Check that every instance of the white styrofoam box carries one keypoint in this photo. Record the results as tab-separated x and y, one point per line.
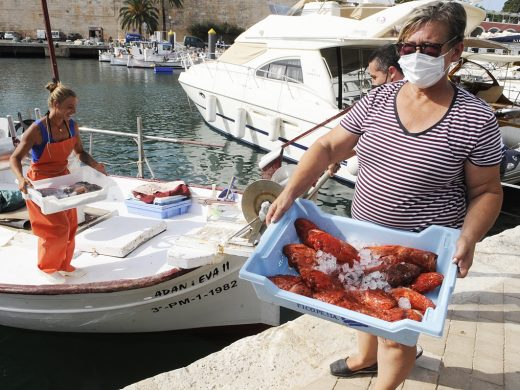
268	260
118	236
51	204
205	245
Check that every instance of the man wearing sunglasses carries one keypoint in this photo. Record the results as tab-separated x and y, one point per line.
429	154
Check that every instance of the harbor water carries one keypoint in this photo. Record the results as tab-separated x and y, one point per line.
111	98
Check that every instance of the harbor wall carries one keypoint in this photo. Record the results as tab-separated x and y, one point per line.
77	16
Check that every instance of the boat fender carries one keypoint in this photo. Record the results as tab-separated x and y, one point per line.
353	165
211	108
273	128
239	129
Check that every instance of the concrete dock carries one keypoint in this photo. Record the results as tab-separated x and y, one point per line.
480	347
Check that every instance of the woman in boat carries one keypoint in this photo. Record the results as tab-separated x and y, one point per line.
429	153
50	141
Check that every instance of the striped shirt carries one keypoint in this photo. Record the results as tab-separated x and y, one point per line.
413	180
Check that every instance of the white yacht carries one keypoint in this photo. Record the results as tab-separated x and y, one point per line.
286	74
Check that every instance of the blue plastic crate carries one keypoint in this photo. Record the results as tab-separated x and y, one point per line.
268	260
157	211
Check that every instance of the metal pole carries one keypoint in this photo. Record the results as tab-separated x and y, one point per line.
140	151
55	75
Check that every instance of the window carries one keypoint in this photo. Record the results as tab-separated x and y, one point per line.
285	70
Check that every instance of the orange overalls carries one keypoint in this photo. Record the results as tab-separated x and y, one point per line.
56	231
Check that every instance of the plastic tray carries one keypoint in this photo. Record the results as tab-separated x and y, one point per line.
51	204
268	260
157	211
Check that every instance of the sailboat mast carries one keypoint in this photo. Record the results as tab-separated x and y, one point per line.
55	75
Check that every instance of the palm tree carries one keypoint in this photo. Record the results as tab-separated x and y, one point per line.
171	3
134	13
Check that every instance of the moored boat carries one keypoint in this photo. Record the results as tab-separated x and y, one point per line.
144	273
287	74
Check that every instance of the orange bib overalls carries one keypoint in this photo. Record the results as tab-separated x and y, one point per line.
56	231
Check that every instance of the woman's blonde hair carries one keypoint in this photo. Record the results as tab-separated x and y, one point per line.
451	14
59	93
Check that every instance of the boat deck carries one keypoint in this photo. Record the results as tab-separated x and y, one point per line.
18	247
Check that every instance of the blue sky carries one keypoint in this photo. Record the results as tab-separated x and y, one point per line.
495	5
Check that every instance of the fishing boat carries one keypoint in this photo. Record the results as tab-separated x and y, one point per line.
148	267
288	74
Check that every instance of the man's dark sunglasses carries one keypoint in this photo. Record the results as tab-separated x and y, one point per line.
430	49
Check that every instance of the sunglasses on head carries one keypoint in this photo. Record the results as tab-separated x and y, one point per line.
430	49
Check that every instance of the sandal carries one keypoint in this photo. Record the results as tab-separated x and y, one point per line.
340	368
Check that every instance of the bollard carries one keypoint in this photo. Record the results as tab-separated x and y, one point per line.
172	38
212	43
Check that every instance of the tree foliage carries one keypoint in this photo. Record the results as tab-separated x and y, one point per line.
171	3
225	31
134	13
512	6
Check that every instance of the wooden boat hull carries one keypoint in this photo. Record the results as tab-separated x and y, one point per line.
207	296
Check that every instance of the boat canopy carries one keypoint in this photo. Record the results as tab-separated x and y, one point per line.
316	27
242	52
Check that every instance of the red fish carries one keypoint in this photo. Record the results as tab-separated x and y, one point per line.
426	282
417	300
424	259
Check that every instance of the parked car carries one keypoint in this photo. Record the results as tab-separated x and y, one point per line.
74	36
190	41
13	35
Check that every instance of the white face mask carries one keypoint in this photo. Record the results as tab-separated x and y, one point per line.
422	70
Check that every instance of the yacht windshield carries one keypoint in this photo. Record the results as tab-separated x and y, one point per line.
347	67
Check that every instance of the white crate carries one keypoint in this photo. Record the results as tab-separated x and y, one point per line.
51	204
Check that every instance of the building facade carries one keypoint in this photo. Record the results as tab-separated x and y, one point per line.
99	18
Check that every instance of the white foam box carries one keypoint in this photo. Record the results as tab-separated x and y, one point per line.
118	236
51	204
268	260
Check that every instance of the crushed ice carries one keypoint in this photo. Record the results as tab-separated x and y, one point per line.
404	303
354	278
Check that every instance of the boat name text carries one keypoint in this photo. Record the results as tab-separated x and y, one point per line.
221	269
199	297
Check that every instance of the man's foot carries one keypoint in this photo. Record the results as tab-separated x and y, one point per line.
53	277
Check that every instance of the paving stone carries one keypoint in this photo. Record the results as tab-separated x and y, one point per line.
422	379
512	309
488	369
467	311
512	379
458	353
360	382
429	362
464	328
494	350
433	345
511	286
483	385
454	377
327	382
